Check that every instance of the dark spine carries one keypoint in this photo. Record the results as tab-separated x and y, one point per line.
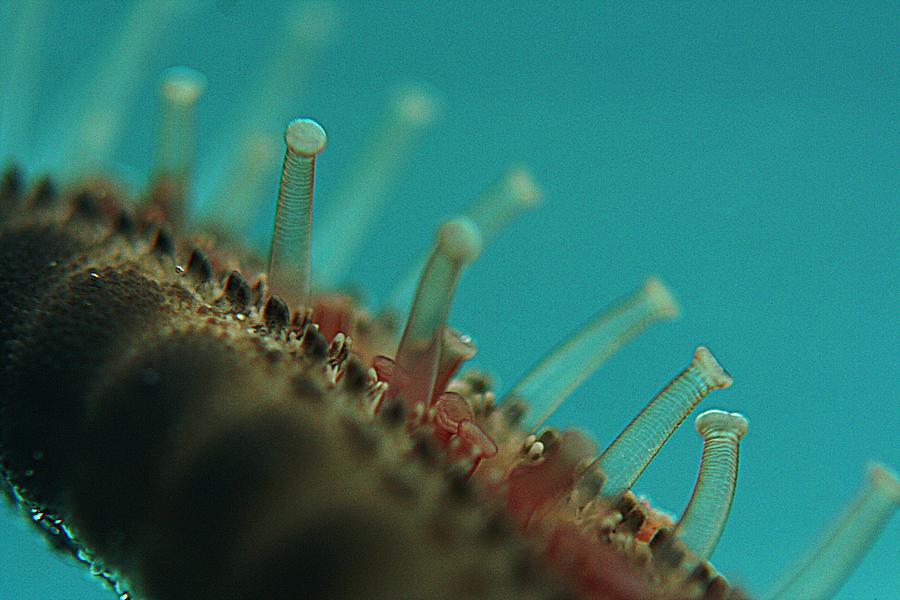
196	457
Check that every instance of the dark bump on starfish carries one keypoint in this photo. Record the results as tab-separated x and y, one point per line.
125	224
459	488
199	267
11	184
43	193
238	292
85	205
163	244
314	344
355	377
276	314
424	447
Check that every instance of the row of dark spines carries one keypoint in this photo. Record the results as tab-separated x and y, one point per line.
44	194
278	319
84	203
276	315
669	553
237	292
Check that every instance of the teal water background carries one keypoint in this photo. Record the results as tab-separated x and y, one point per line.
745	153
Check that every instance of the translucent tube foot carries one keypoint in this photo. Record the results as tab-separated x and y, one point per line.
288	273
627	457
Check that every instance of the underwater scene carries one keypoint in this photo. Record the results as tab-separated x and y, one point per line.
741	157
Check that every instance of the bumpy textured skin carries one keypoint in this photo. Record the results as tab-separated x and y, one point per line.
191	443
201	456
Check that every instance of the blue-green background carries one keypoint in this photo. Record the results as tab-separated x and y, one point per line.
746	153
